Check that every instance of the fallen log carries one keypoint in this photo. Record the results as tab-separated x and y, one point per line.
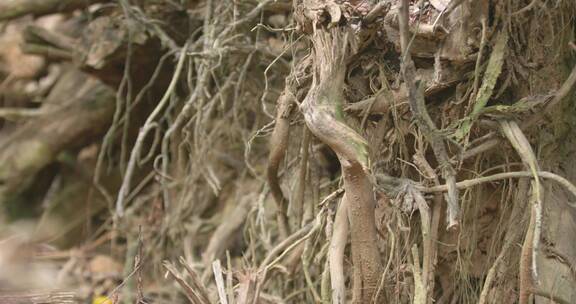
17	8
75	115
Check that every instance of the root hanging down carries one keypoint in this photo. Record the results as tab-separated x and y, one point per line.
422	118
278	146
336	254
531	243
322	110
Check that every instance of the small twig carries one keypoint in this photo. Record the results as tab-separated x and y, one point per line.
306	257
217	269
195	280
500	176
137	265
525	9
331	196
49	52
193	295
48	297
40	35
380	9
385	272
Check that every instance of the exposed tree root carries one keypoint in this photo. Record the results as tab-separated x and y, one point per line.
322	110
148	126
430	225
524	150
426	89
530	247
278	146
425	123
500	176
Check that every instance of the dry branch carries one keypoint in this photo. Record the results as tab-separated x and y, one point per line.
500	176
11	9
38	142
54	46
336	253
194	292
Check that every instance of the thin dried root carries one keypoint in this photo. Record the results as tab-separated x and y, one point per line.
148	126
500	176
425	123
530	247
278	145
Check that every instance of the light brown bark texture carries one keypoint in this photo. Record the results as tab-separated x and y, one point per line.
10	9
322	109
78	111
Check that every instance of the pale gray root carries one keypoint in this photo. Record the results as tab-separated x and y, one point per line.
506	175
336	253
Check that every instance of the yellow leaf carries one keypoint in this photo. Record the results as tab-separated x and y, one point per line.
101	300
